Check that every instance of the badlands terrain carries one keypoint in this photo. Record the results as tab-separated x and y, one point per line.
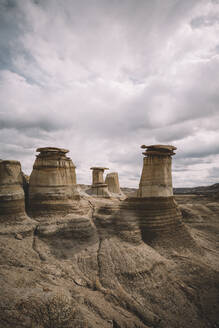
119	259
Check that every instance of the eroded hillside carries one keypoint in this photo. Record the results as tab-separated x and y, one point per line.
121	262
113	281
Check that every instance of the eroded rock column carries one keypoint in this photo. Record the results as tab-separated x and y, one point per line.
112	181
156	178
52	182
12	202
99	188
154	207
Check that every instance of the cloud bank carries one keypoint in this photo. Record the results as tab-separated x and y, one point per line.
103	77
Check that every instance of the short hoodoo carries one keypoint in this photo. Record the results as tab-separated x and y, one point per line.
52	182
99	188
11	190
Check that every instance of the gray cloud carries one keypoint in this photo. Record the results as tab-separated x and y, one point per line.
201	21
103	77
214	173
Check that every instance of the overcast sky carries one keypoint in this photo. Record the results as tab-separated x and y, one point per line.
102	77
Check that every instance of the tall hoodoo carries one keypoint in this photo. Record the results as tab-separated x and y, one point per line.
11	190
112	181
156	178
154	207
99	188
52	182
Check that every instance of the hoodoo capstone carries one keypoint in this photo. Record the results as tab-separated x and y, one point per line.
52	182
99	188
12	203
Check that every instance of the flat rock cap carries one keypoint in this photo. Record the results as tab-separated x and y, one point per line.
158	150
52	149
156	147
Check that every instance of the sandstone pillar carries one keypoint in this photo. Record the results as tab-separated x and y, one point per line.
11	191
156	178
154	207
52	182
112	181
99	188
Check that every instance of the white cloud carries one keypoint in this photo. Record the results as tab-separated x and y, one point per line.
103	77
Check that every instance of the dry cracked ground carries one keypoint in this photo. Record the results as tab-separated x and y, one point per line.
110	279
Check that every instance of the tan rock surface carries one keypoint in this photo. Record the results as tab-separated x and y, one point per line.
112	181
11	190
13	218
127	264
52	184
99	188
113	281
158	214
156	177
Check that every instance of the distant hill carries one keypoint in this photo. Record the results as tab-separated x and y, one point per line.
202	190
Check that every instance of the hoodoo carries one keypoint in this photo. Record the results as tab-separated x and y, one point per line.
155	208
52	182
11	190
99	188
156	178
112	181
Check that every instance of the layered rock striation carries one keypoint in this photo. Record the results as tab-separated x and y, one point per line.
112	181
111	282
159	220
12	204
52	185
99	188
156	177
154	207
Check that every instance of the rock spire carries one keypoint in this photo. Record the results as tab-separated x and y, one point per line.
154	207
156	177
